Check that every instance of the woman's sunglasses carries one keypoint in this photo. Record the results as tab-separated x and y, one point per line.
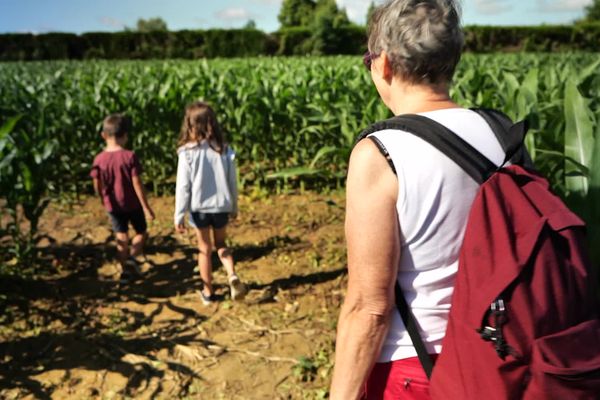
368	58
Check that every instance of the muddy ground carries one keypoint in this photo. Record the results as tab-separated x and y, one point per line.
72	330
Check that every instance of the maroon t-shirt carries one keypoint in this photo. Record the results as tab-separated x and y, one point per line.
115	170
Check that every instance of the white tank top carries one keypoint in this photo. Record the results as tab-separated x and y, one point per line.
434	198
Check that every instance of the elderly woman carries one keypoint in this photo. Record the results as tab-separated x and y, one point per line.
406	225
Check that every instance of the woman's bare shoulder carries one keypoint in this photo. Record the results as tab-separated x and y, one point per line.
369	170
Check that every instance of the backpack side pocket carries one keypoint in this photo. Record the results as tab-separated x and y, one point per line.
566	364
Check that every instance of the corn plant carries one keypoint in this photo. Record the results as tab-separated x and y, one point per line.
26	155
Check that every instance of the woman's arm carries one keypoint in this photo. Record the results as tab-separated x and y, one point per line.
373	240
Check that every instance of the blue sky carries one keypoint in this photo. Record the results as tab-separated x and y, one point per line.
78	16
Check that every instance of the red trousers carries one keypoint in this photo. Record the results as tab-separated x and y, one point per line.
398	380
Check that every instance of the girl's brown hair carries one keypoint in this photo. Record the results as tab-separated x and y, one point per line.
200	123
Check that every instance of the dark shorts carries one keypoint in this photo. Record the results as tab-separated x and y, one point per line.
120	221
204	220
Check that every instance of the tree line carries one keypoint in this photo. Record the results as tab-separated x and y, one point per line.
307	27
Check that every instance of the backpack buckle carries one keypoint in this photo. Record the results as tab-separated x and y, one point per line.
493	333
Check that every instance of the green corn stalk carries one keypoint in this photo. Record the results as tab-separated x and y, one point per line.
24	171
579	139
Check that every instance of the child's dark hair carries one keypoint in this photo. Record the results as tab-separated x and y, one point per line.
200	123
116	125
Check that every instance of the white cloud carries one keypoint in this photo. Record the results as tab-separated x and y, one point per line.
233	14
561	5
112	22
492	7
357	9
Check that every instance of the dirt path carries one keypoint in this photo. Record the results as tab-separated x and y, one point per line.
75	332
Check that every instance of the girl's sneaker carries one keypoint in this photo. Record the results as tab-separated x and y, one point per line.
133	264
206	300
238	289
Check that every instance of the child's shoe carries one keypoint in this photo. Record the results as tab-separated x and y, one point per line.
127	276
206	300
237	287
133	264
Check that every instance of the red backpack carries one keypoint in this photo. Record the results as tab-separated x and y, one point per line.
524	322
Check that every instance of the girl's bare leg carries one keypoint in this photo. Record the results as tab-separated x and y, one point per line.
204	261
225	254
238	289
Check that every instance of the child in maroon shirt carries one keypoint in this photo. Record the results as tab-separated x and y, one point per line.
116	174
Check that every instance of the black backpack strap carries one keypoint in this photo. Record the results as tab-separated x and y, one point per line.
453	146
499	122
410	322
510	135
383	152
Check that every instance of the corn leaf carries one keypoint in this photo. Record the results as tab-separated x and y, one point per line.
579	137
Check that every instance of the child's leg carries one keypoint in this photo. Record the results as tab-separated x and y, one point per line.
137	244
238	289
204	261
122	246
120	223
138	220
225	253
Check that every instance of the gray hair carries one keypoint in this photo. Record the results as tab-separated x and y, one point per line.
422	38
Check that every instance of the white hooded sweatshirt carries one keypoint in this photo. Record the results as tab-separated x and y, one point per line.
206	180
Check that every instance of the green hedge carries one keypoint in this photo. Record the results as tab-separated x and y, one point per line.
292	41
300	41
482	39
137	45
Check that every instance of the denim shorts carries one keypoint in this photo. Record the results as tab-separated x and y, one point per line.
120	221
204	220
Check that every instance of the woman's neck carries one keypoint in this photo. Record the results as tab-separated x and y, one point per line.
413	99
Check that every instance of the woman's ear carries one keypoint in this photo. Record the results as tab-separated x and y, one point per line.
386	66
382	67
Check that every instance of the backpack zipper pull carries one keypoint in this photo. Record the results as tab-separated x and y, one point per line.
494	333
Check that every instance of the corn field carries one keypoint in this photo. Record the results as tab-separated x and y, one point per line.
286	117
291	120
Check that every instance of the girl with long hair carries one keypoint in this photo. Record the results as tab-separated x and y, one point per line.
207	188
